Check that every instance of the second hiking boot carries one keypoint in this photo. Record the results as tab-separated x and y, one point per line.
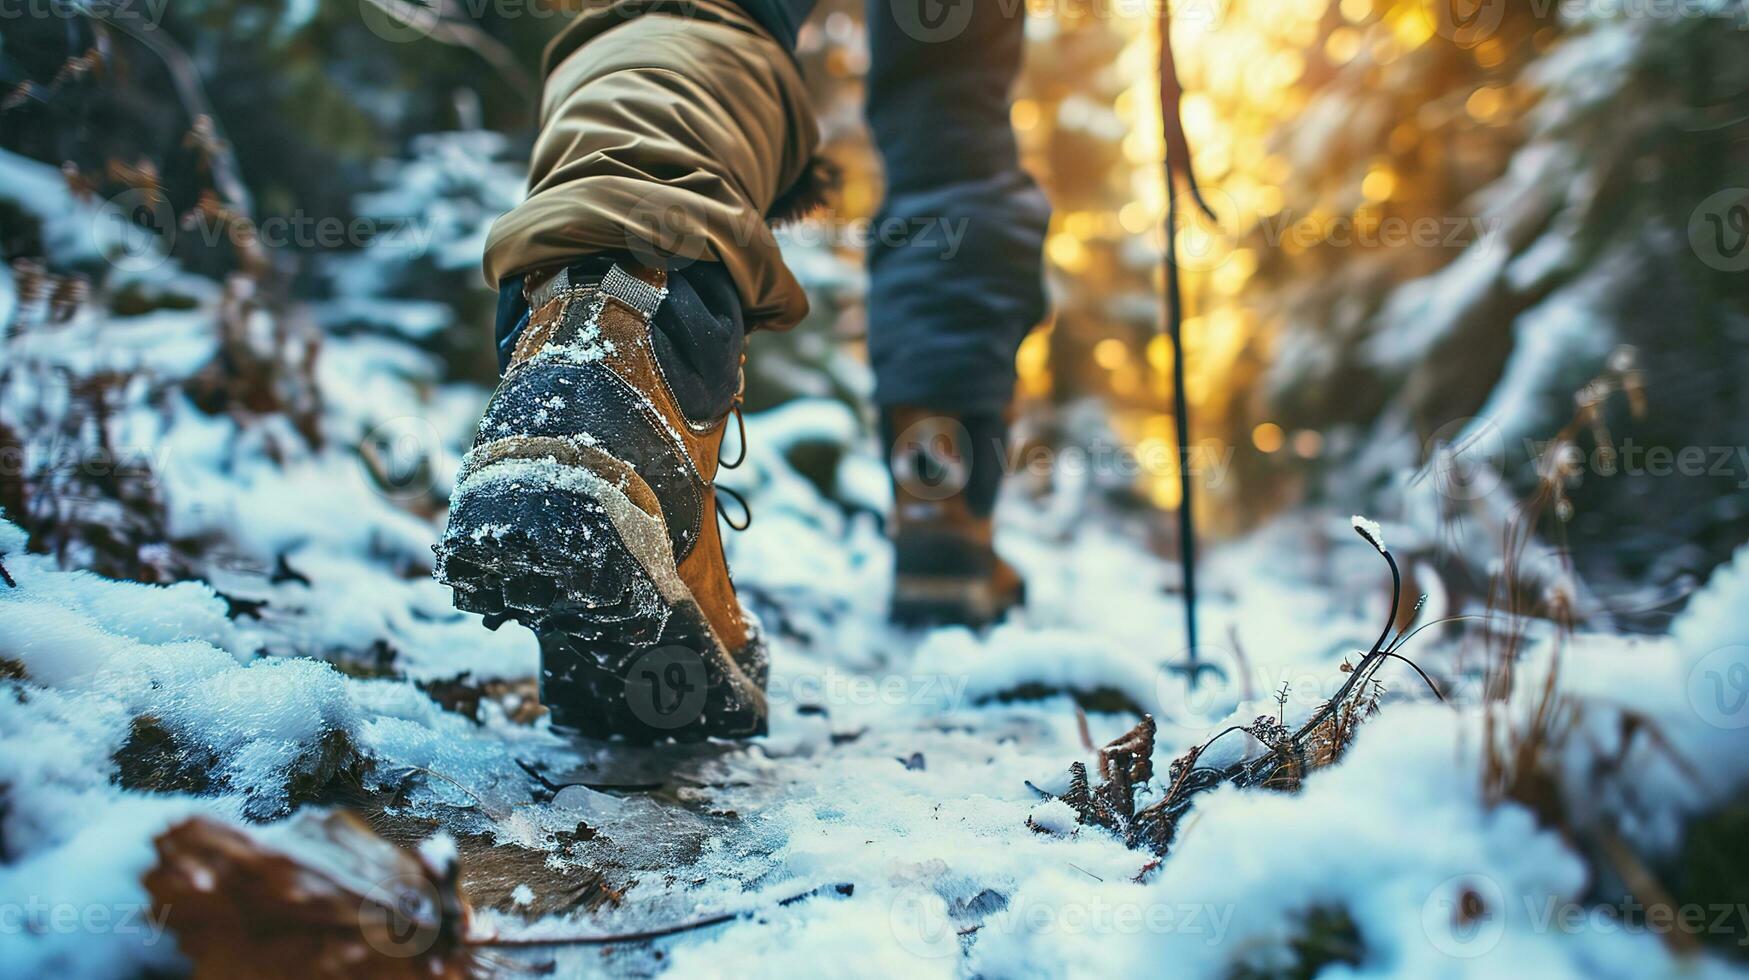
946	470
586	511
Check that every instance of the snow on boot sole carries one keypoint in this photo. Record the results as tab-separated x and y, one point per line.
563	548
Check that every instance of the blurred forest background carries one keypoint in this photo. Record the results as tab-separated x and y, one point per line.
1446	227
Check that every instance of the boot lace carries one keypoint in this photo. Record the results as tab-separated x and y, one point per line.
740	457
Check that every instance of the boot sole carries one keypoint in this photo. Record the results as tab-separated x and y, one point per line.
625	649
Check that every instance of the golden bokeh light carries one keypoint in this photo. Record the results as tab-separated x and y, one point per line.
1165	493
1267	437
1379	184
1033	363
1137	218
1342	45
1293	185
1160	354
1111	353
1485	103
1068	252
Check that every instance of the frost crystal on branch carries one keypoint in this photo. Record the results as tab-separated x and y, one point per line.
1370	531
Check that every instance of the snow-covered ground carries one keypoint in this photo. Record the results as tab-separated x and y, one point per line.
309	663
895	763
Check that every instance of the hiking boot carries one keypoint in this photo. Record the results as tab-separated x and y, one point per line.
586	511
946	470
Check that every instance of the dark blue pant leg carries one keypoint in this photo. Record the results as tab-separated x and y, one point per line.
955	268
783	18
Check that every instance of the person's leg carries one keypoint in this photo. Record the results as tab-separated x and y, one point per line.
783	18
955	283
955	270
668	130
586	507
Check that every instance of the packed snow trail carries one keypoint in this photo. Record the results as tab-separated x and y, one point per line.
898	762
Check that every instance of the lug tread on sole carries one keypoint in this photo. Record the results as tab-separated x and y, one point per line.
597	613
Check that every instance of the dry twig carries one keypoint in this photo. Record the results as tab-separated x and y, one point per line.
1125	764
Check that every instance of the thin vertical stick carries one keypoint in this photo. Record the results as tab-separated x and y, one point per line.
1177	168
1181	424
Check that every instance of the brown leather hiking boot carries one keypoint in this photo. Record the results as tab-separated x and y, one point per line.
586	511
946	470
